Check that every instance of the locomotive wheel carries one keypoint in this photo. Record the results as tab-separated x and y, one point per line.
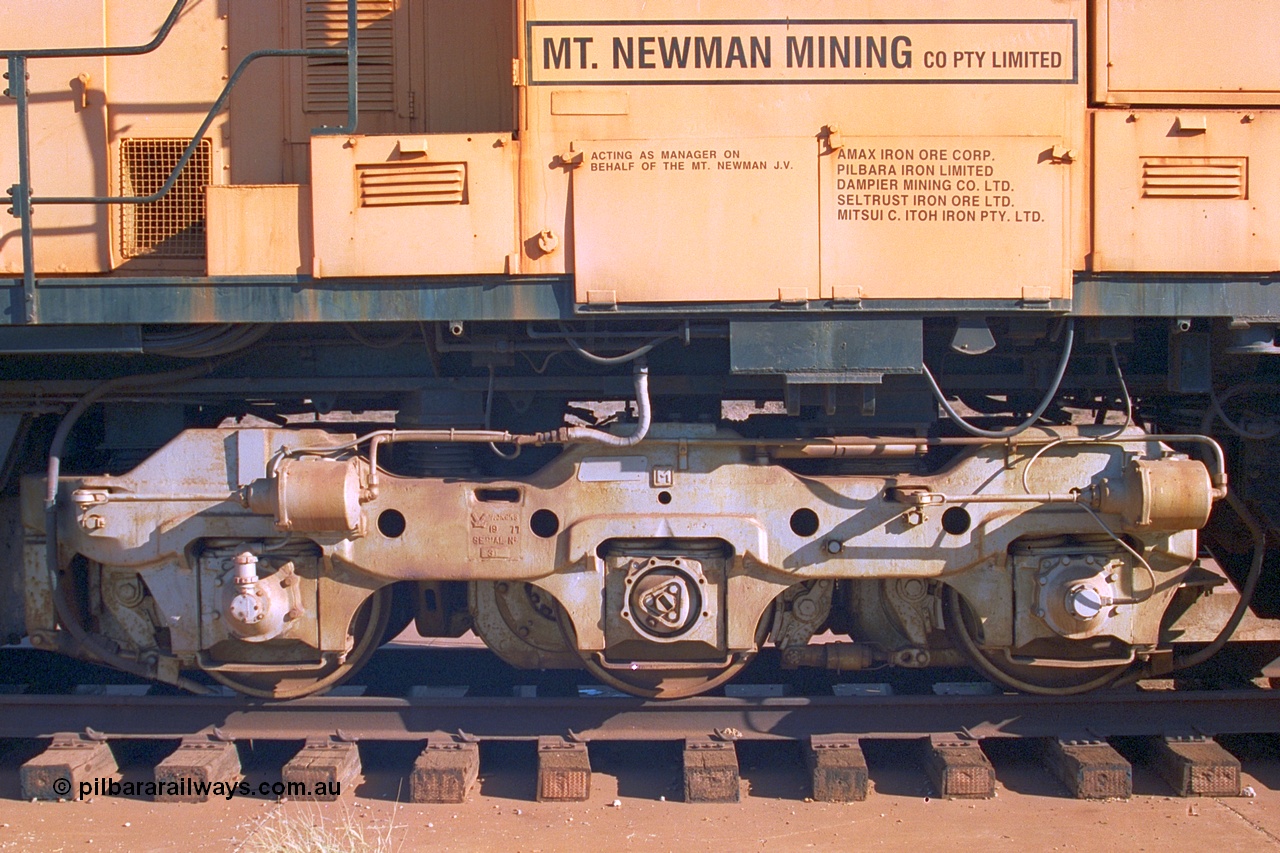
963	630
403	602
676	680
367	629
666	684
521	624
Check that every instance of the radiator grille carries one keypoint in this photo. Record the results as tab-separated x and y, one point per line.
325	26
172	227
1195	177
398	184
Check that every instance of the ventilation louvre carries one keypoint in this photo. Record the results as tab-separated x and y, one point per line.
402	184
325	26
174	226
1195	177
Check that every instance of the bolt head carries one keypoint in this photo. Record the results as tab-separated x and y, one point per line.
548	241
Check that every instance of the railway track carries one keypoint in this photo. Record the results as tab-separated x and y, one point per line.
609	718
1172	729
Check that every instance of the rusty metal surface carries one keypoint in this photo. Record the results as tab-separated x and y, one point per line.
783	529
1176	296
1108	714
548	531
169	299
303	300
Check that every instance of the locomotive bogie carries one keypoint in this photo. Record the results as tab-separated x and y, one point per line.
690	550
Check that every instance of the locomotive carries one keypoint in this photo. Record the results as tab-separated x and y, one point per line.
637	337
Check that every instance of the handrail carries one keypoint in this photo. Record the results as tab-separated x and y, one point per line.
21	195
135	50
195	140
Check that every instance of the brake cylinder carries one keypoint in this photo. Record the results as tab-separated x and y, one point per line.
311	496
1159	495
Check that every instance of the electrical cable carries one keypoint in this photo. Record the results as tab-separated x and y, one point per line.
203	341
546	362
1155	583
1128	421
488	416
364	340
1246	591
1124	390
614	361
1216	402
1054	386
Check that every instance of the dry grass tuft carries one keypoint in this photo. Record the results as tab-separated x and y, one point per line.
310	831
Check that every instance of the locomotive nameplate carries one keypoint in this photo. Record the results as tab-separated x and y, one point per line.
945	218
665	52
740	215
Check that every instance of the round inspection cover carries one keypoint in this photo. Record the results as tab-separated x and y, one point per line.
664	602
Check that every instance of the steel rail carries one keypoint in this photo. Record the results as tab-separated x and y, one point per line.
1104	714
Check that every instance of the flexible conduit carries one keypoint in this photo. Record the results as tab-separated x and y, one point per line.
1067	346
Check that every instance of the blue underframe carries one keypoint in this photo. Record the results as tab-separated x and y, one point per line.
137	300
